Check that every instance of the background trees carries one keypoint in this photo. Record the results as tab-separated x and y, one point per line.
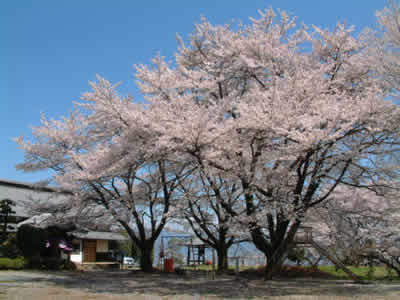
8	247
283	114
6	211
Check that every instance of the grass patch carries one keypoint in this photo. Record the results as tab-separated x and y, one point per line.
287	272
380	273
328	272
200	267
18	263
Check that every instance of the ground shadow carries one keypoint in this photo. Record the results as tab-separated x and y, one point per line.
164	284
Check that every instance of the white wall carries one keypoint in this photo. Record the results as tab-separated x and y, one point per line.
26	198
101	246
77	257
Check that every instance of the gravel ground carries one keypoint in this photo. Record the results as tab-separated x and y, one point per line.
123	285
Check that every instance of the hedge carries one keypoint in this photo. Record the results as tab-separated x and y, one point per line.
12	263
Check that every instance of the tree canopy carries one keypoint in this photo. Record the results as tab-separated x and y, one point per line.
284	114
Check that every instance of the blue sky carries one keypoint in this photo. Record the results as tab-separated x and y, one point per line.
51	49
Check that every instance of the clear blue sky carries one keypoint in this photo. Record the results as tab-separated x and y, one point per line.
51	49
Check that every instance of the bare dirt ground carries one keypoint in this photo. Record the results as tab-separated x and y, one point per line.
123	285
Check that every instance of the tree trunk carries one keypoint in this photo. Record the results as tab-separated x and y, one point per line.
274	249
275	254
274	264
146	257
222	254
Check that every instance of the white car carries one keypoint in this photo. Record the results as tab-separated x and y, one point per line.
128	261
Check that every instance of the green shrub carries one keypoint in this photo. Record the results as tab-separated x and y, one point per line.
297	255
9	247
12	263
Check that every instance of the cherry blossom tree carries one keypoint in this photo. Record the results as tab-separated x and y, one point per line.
388	44
205	201
285	113
91	158
289	113
361	224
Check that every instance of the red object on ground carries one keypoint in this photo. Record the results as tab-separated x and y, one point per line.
169	265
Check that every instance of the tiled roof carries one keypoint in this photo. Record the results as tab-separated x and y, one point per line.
98	235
